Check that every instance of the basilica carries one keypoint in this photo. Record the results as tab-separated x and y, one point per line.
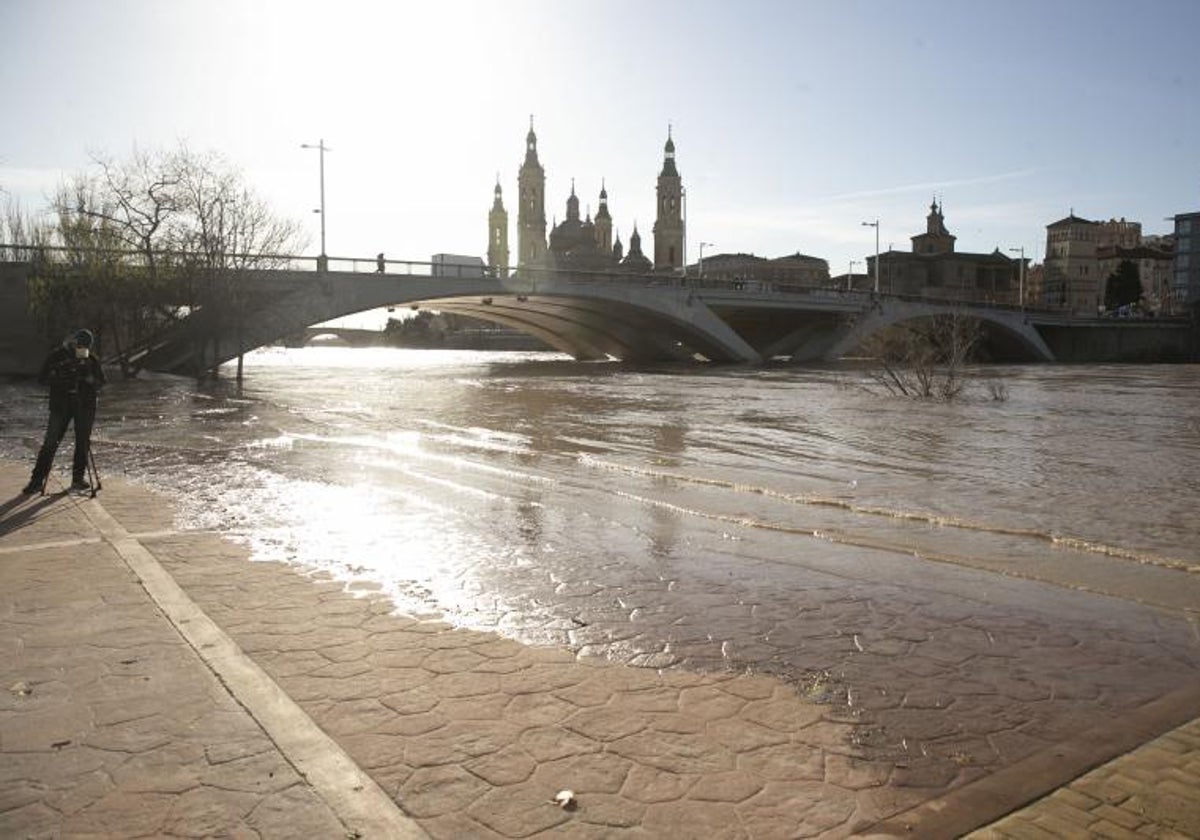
585	244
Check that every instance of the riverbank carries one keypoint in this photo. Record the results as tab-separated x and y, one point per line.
157	681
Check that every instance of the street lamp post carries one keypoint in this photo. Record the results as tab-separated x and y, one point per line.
700	268
1021	275
875	224
323	260
850	274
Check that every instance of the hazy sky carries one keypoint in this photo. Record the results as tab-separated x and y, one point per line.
794	121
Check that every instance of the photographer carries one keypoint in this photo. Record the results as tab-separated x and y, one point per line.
74	376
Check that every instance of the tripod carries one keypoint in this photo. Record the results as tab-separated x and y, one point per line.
92	471
93	474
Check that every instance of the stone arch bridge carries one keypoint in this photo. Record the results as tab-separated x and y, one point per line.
586	315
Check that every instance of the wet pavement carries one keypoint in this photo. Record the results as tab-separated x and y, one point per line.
948	673
156	682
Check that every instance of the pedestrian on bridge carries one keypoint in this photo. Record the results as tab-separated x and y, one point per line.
74	376
380	268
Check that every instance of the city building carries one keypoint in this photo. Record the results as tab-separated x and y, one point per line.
1035	276
791	271
1071	277
583	243
1154	269
1185	279
934	269
1082	254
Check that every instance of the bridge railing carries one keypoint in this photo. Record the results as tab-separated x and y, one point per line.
57	255
61	255
526	279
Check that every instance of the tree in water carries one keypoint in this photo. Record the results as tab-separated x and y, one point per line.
925	359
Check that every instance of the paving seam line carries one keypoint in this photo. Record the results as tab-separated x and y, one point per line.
349	792
42	546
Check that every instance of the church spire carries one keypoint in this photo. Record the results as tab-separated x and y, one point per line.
573	204
531	211
498	234
669	156
669	223
531	145
603	222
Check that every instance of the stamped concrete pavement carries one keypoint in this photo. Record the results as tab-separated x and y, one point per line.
113	723
110	724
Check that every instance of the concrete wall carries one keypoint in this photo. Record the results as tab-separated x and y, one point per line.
1122	341
22	343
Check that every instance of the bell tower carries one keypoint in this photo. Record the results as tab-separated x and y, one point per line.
669	225
936	239
531	212
498	235
604	223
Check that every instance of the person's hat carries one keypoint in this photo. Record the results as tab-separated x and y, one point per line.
83	338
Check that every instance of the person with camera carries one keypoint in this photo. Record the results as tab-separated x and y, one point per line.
74	376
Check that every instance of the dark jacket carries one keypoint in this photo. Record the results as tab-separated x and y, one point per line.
73	382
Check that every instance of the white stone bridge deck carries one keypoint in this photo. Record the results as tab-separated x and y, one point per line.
657	317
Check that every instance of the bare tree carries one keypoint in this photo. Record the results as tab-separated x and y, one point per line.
925	359
18	228
231	231
138	200
157	239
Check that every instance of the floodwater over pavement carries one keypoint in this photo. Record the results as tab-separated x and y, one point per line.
968	583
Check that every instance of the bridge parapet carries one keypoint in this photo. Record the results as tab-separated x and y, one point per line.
588	314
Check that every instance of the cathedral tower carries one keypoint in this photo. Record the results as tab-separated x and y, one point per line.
668	227
531	212
498	236
603	223
936	239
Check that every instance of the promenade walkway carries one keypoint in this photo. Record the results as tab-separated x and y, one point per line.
153	682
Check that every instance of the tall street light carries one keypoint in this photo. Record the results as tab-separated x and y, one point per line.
703	245
1021	281
875	224
850	274
323	260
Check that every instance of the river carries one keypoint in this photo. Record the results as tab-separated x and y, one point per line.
792	520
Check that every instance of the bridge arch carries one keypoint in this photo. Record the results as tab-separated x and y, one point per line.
588	318
1008	334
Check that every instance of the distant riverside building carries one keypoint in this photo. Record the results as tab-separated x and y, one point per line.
796	269
1071	278
1082	254
580	242
1154	266
1035	277
934	269
1185	277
